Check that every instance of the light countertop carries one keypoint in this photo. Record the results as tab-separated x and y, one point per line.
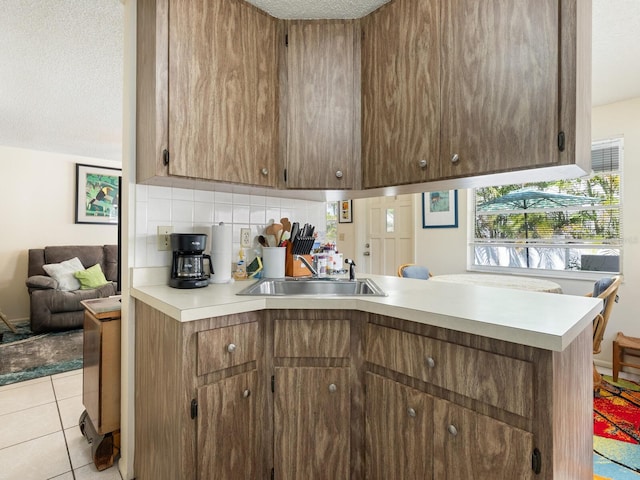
543	320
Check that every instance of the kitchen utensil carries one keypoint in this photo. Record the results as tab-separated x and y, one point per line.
262	241
274	229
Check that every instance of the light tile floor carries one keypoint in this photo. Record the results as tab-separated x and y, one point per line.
39	434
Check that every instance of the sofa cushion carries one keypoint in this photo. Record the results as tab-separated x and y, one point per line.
63	273
92	277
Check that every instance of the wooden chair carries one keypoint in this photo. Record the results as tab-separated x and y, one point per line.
609	297
411	270
622	346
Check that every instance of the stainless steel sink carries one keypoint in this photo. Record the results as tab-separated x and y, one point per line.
325	287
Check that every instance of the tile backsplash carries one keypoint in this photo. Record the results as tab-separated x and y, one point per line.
195	211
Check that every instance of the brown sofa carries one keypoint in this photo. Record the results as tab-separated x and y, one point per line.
53	309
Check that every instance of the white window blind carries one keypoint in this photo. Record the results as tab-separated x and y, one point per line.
564	225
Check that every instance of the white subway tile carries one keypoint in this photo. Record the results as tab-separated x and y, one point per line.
182	210
159	210
241	214
205	196
203	213
142	193
223	213
223	197
159	192
182	194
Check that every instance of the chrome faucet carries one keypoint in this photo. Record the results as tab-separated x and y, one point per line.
352	268
314	272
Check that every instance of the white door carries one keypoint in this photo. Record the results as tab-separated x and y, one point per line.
390	233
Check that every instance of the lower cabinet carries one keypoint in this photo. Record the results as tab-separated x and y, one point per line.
399	431
476	447
311	423
313	394
227	431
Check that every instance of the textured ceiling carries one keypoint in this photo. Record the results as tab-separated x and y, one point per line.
318	8
61	66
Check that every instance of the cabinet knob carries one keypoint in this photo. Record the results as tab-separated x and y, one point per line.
339	174
333	388
231	347
431	363
264	171
246	393
452	430
411	412
422	163
455	158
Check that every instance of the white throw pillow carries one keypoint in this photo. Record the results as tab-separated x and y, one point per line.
63	273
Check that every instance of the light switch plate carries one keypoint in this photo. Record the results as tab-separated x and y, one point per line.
245	237
164	238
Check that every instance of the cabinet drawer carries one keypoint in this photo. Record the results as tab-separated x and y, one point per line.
311	338
226	347
494	379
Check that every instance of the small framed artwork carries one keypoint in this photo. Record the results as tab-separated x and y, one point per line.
97	192
346	212
440	209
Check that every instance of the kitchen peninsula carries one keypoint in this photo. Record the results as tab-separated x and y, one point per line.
435	380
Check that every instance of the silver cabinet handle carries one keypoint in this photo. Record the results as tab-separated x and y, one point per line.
422	163
431	363
246	393
411	412
333	388
339	174
452	430
264	171
455	158
231	347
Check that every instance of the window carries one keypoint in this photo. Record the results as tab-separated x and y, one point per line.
564	225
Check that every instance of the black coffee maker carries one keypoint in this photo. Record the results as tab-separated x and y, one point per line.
187	269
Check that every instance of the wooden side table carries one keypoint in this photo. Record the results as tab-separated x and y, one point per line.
8	322
100	422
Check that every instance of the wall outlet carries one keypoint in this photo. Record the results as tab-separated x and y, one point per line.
245	237
164	238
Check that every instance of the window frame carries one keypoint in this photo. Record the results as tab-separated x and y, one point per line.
539	272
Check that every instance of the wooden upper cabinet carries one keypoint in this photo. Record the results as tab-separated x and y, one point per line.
323	147
223	117
401	93
500	86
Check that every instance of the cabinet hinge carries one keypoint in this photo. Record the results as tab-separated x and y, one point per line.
194	408
561	141
536	461
285	174
165	157
286	39
273	383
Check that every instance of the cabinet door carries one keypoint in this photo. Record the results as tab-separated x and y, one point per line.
222	79
228	437
476	447
500	86
401	93
399	439
312	423
321	122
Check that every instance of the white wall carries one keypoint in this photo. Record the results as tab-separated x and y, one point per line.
38	198
445	250
195	211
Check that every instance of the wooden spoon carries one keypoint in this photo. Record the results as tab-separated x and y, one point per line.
275	230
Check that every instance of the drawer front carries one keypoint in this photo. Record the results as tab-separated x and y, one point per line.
226	347
497	380
311	338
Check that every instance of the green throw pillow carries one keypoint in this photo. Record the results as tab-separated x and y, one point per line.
92	277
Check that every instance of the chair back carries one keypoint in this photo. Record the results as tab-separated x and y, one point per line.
607	290
411	270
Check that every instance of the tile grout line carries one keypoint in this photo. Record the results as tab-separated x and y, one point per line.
64	435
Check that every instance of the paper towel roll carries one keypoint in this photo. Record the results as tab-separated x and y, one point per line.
221	254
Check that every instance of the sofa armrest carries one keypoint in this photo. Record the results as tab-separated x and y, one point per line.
41	282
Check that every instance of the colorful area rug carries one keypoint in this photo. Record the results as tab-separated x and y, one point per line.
25	355
616	428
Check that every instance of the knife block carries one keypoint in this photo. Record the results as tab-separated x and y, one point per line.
295	268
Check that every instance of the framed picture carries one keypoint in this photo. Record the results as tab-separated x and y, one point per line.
440	209
346	212
97	192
